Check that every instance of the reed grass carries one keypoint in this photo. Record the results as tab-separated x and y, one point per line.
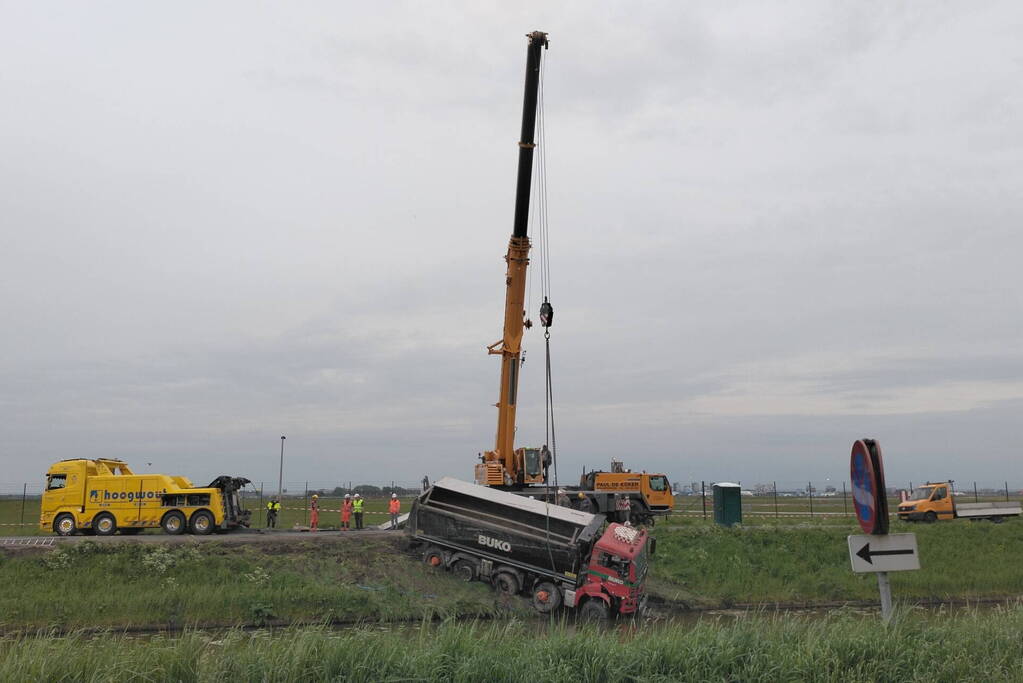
933	647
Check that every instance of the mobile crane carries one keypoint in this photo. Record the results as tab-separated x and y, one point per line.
519	469
504	466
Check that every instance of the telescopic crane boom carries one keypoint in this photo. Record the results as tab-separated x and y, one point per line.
504	466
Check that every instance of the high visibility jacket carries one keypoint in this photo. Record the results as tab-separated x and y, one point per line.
273	507
394	506
357	506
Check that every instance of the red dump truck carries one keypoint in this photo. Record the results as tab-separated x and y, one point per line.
557	556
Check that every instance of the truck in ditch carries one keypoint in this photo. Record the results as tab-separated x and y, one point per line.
104	497
936	500
557	556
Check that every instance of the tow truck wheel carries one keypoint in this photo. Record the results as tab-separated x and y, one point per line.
931	517
546	597
434	558
173	523
202	523
464	569
64	525
105	524
506	583
594	609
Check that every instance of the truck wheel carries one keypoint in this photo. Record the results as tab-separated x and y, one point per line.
931	517
595	610
546	597
173	523
506	583
202	523
434	557
464	569
105	524
64	525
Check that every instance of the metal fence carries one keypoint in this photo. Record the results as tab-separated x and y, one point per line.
19	502
817	499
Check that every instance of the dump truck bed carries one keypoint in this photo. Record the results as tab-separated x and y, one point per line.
504	527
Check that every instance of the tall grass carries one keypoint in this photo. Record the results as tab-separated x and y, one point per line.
710	565
91	584
973	647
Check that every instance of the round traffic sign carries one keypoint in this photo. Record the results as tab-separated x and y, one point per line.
867	488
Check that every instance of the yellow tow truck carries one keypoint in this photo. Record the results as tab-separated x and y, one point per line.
103	496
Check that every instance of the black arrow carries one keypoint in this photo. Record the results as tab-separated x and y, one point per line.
865	553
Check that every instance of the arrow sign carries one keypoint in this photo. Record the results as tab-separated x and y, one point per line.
865	553
890	553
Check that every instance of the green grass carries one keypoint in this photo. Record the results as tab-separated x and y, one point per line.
89	584
931	647
704	564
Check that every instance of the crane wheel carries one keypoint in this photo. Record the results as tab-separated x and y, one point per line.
64	525
104	524
202	523
173	523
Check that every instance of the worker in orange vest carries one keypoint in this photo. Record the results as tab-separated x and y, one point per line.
394	507
314	512
346	512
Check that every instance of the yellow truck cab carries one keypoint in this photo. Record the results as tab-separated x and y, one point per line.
649	494
103	496
934	501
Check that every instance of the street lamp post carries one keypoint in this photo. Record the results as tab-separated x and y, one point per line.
280	474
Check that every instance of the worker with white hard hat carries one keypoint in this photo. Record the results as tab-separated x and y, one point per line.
357	509
346	512
394	507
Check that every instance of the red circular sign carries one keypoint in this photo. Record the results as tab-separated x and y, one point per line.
868	490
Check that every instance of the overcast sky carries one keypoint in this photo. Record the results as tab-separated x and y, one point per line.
775	228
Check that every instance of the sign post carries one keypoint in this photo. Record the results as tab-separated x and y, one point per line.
878	552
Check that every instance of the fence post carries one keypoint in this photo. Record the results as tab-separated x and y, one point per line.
306	512
24	494
809	490
1006	492
261	513
703	495
975	498
775	485
845	501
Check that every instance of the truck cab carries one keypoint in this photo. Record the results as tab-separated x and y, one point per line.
617	572
928	503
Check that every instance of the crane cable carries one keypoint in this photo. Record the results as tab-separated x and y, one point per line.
546	310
